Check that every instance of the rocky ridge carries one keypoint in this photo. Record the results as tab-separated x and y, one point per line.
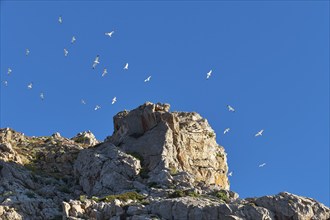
156	165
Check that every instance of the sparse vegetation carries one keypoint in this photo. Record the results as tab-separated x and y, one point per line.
211	134
6	194
145	202
220	155
222	196
123	197
252	204
183	193
83	198
81	139
173	171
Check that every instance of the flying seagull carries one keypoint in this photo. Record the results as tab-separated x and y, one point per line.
259	133
96	61
66	52
226	130
5	82
30	85
9	71
126	66
97	107
262	165
147	79
109	33
104	72
230	174
83	102
231	109
60	19
42	96
114	100
27	51
208	75
73	39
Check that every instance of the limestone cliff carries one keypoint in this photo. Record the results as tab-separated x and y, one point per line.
178	143
156	165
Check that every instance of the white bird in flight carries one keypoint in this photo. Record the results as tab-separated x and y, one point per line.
9	71
262	165
96	61
5	82
230	108
30	85
109	33
83	102
104	72
42	96
60	19
230	174
259	133
147	79
114	100
97	107
66	52
126	66
73	39
208	75
27	51
226	130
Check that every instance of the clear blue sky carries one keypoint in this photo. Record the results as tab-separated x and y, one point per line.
270	61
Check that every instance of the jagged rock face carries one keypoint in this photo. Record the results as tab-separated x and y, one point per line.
197	208
105	170
172	144
289	206
24	195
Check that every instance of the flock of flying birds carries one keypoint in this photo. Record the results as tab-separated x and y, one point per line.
114	100
66	53
231	109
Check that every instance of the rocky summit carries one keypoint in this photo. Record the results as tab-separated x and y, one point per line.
157	164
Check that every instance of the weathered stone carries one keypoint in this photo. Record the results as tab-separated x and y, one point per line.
86	137
289	206
105	170
175	142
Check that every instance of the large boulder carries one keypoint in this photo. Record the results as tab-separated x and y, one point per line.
105	169
171	144
86	138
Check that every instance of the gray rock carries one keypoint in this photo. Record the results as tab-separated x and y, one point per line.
175	142
289	206
86	137
105	170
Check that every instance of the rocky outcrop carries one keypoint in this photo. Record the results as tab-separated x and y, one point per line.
289	206
172	144
86	138
156	165
198	208
105	170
